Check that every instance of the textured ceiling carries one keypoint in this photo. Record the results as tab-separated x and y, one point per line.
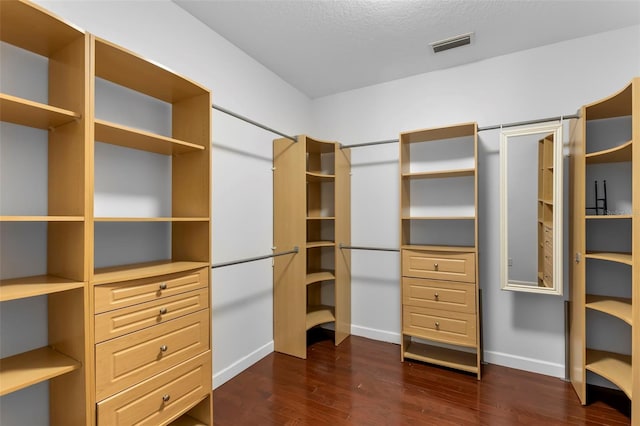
323	47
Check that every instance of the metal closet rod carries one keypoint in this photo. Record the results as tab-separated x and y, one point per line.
253	259
342	246
250	121
480	129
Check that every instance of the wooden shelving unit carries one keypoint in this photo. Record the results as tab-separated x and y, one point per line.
170	286
311	210
602	148
95	312
62	111
545	211
439	247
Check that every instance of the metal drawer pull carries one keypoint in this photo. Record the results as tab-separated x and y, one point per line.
437	324
166	398
435	266
436	296
163	286
163	311
163	348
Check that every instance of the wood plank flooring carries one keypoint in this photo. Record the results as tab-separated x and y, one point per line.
363	382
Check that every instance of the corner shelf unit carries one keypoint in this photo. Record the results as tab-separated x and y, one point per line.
439	247
311	210
61	110
606	244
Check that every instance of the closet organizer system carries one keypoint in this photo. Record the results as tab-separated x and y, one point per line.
127	343
159	311
605	245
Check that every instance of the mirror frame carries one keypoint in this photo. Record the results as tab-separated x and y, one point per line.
554	127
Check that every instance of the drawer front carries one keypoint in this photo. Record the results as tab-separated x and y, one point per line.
118	295
448	266
144	404
447	295
447	327
117	323
129	359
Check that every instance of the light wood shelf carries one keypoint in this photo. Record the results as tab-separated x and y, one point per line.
143	270
317	277
438	217
125	68
320	177
319	314
21	288
611	257
41	219
320	217
438	133
28	368
129	137
615	306
612	366
186	420
45	34
33	114
618	154
151	219
314	244
608	216
451	358
464	249
440	174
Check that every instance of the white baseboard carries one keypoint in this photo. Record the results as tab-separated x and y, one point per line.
527	364
242	364
375	334
506	360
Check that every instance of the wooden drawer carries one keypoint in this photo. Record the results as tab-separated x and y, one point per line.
449	327
447	295
118	295
439	265
117	323
144	404
129	359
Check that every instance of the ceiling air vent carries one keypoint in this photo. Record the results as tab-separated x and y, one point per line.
450	43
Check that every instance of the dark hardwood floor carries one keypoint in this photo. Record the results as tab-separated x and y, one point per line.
363	382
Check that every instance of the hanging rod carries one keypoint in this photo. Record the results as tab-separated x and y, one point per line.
342	246
522	123
250	121
369	143
253	259
480	129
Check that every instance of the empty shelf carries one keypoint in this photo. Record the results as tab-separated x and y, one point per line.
186	420
33	114
440	174
466	361
312	244
143	270
611	256
151	219
618	154
319	314
41	219
316	277
20	288
319	177
616	306
612	366
28	368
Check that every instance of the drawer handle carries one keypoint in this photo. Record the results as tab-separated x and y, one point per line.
435	266
166	398
437	325
163	286
437	296
163	311
163	348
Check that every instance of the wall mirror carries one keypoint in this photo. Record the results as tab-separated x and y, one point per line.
531	209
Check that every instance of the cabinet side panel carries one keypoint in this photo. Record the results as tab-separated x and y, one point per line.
289	230
66	334
343	236
191	172
635	188
577	337
68	89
